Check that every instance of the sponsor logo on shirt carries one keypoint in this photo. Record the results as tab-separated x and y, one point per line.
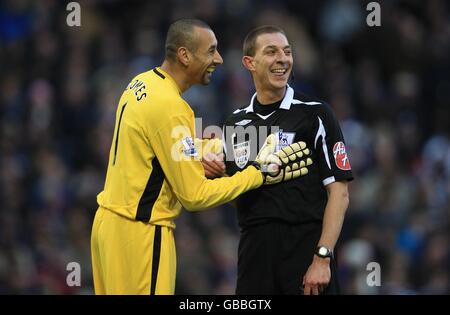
189	147
340	156
284	139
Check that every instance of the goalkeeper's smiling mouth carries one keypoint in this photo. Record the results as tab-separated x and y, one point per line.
210	69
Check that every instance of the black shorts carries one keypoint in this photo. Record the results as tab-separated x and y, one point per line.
273	258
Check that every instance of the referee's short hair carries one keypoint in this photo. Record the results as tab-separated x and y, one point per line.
250	40
181	34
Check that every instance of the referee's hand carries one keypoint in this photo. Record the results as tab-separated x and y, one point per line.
317	277
213	165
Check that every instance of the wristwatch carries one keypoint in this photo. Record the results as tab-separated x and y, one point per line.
323	252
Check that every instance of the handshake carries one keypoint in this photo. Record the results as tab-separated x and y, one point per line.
288	163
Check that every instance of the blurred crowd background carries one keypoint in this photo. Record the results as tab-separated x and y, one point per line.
389	86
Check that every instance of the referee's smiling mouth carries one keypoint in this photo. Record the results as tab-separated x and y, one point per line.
280	72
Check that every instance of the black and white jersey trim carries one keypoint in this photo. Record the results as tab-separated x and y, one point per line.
288	100
321	132
329	180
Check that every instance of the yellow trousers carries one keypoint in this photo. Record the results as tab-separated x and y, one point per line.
131	257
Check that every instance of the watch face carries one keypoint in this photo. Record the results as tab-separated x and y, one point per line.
323	251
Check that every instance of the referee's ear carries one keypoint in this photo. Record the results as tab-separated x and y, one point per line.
247	61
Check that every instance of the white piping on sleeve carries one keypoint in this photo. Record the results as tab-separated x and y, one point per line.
322	132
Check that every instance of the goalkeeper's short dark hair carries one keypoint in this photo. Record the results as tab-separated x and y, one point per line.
181	34
250	39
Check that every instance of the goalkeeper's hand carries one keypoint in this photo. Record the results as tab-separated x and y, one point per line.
288	163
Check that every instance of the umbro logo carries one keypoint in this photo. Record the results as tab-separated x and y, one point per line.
243	122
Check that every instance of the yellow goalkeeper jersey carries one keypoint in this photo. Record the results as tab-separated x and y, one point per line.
154	166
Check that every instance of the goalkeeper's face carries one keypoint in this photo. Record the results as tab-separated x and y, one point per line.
205	58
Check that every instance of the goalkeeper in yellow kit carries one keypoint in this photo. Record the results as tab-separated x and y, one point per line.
154	169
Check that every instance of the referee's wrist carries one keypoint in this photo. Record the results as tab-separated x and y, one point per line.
321	259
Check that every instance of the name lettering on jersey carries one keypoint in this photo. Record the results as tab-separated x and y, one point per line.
138	88
284	139
243	122
241	152
340	156
189	147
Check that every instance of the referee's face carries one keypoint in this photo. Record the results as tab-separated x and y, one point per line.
205	58
272	61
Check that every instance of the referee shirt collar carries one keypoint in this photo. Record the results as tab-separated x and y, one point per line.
285	104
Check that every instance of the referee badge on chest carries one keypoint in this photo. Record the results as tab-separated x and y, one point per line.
241	153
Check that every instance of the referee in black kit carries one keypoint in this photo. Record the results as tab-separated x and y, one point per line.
288	231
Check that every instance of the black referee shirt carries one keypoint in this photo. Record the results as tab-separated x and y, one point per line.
296	117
